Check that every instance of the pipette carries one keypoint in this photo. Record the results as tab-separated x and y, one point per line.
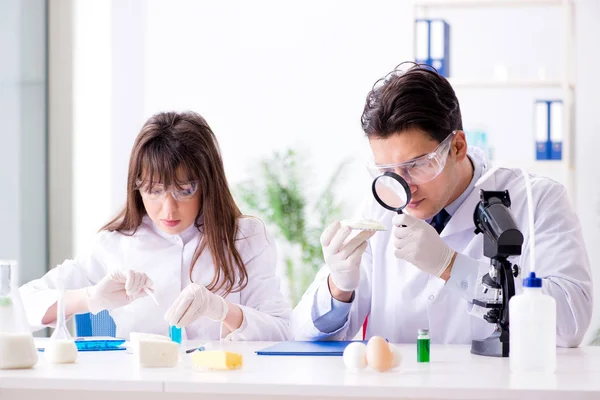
151	295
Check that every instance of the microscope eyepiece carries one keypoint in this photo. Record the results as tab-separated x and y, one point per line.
493	218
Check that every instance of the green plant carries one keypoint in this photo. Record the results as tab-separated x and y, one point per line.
280	197
596	340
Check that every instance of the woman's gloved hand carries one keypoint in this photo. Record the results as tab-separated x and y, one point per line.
196	301
117	289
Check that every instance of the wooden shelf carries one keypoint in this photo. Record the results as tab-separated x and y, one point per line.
554	169
458	83
486	3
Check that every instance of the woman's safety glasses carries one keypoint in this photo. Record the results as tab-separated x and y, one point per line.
418	170
157	191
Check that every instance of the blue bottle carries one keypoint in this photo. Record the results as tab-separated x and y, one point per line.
175	334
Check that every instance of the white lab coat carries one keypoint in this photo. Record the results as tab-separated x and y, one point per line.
400	298
166	260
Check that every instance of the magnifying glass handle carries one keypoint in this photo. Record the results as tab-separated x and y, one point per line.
400	212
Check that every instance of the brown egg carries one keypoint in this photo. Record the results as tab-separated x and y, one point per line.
379	355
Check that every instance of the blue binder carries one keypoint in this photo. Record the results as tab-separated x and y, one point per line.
548	129
302	348
432	44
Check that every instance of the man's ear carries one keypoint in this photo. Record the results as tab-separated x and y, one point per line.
459	145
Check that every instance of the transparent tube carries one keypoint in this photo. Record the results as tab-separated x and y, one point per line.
61	348
531	221
17	349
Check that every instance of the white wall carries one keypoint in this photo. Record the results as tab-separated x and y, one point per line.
588	136
9	106
60	130
270	74
92	122
23	215
265	74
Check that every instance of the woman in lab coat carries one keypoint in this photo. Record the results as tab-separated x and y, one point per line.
181	237
426	269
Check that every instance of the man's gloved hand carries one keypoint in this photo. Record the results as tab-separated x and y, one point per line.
196	301
343	258
117	289
418	243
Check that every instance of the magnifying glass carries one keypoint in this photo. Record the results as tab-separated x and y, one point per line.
391	191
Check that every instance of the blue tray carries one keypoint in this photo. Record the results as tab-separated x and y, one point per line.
305	348
96	344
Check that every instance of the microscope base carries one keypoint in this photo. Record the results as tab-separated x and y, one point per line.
491	347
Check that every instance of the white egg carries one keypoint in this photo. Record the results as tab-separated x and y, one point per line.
355	356
397	356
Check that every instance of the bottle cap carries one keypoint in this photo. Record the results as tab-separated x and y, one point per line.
423	331
532	281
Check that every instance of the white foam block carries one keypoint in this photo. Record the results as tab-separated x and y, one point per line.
364	224
135	337
157	353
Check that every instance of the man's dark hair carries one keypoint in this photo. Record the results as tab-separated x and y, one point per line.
417	97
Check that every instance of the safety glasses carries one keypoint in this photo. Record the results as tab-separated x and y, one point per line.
157	191
418	170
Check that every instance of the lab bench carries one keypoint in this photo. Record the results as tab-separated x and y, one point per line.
453	373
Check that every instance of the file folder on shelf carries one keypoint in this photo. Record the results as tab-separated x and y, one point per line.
432	44
548	129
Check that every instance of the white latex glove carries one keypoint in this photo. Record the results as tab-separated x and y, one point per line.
343	258
196	301
418	243
117	289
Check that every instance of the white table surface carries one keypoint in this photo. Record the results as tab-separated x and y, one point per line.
453	373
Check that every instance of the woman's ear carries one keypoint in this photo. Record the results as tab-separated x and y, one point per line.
459	145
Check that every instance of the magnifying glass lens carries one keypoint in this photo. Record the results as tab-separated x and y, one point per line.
391	191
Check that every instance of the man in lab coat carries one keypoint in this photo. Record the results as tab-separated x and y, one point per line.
426	269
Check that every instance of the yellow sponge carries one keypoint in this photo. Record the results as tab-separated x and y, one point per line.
217	359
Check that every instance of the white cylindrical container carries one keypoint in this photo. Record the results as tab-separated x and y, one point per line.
532	328
17	351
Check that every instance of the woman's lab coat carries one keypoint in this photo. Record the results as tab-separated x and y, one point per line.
400	298
166	260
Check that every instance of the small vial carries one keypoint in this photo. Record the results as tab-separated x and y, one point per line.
423	346
175	334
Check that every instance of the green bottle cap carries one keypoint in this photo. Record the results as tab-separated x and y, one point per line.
5	301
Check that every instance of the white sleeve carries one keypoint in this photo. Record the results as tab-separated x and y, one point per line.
266	312
465	277
40	294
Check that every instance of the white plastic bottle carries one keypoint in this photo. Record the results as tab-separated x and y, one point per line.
532	319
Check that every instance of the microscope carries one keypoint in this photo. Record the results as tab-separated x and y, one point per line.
502	239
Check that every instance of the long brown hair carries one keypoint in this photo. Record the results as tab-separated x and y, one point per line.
172	141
